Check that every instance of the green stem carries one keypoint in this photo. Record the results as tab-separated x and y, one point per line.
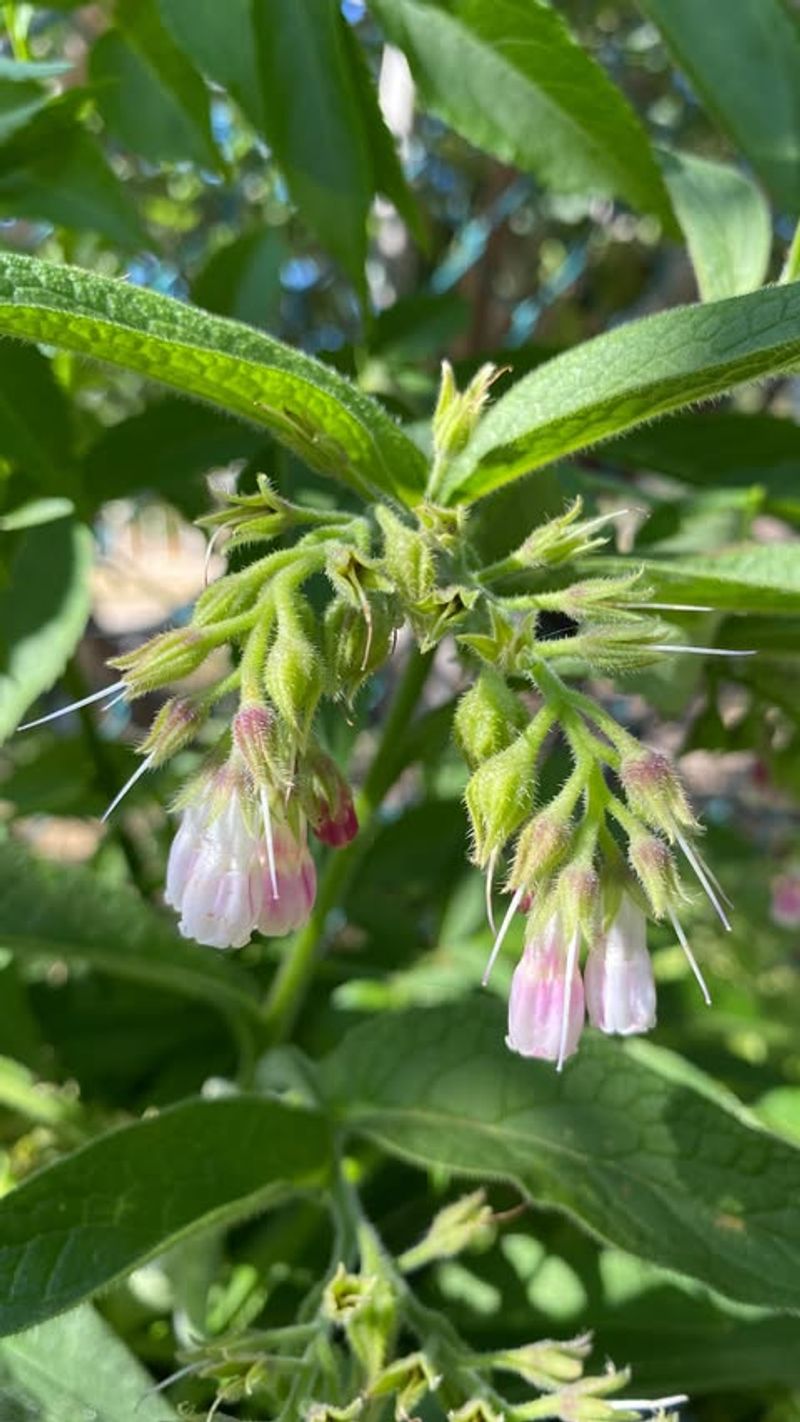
294	975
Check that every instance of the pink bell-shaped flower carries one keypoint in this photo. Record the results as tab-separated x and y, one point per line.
620	991
234	867
546	1004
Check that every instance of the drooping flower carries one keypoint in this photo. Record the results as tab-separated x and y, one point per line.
618	977
232	869
546	1004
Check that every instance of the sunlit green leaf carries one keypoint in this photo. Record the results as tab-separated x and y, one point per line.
100	1212
308	406
726	222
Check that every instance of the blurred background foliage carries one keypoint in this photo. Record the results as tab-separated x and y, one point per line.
280	163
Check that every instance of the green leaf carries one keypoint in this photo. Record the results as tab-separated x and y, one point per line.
316	412
76	1367
49	911
726	222
243	279
21	70
387	172
19	102
743	58
716	447
54	171
644	1152
634	373
148	92
219	38
43	611
35	423
759	577
320	143
511	78
99	1213
34	512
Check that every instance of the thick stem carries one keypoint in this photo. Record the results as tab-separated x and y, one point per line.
293	978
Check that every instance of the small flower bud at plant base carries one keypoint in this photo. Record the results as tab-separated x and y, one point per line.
618	977
654	792
487	718
546	1003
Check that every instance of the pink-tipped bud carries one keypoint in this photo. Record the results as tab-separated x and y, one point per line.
327	799
174	726
620	991
540	846
654	791
654	867
785	905
253	733
541	994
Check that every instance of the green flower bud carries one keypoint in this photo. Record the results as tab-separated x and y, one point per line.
475	1410
410	1378
326	1412
357	642
488	717
546	1365
561	539
541	845
655	868
294	673
467	1223
500	793
655	793
407	558
174	726
458	412
168	657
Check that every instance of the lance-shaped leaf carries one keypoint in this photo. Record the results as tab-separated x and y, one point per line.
641	1149
726	222
743	58
99	1213
511	78
634	373
309	407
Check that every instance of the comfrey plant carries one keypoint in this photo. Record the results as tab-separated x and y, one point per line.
587	866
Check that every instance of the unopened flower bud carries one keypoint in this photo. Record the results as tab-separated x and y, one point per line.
167	657
546	1365
294	674
655	793
346	1294
409	1378
467	1223
618	977
326	1412
407	558
562	538
654	867
357	641
327	799
457	412
579	900
546	1003
500	793
254	736
487	718
540	846
173	727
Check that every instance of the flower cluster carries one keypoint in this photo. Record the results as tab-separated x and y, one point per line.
587	866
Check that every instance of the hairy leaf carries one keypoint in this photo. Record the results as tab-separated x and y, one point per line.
726	222
743	58
510	77
50	911
634	373
640	1149
43	611
100	1212
757	577
45	1369
316	412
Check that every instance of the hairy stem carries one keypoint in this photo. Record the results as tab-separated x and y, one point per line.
296	971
